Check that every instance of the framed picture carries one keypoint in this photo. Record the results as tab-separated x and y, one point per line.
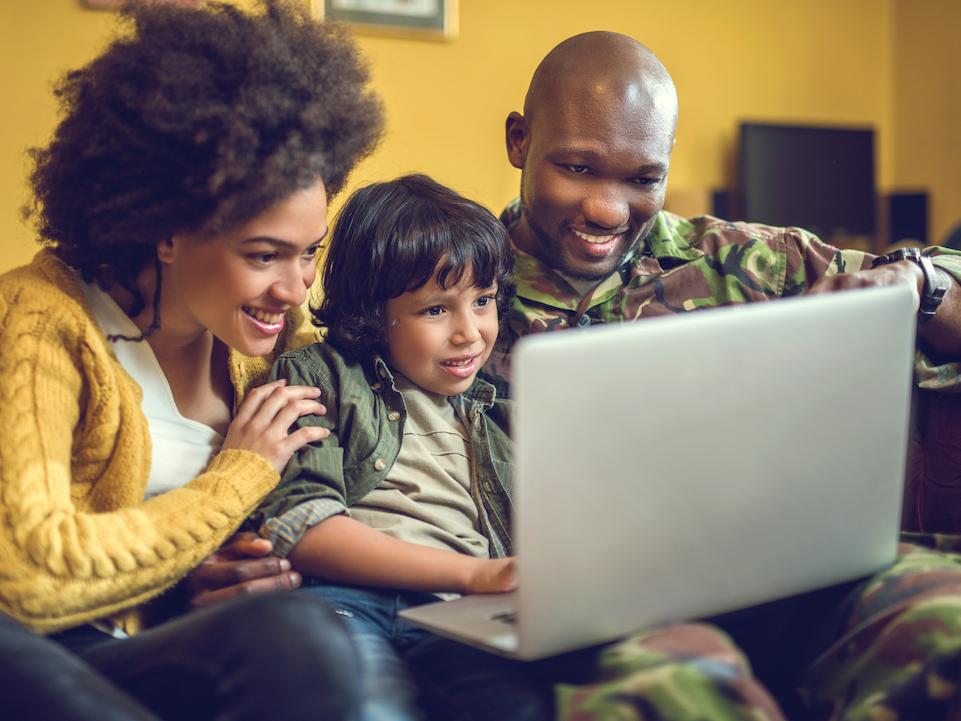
117	4
428	19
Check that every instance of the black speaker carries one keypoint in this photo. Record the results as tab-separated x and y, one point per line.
721	205
905	217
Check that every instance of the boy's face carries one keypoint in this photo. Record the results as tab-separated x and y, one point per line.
440	338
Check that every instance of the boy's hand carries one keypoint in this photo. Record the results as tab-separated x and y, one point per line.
497	575
242	566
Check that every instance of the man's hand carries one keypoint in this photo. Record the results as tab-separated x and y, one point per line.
891	274
941	336
242	566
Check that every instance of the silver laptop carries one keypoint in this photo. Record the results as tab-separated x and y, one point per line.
686	466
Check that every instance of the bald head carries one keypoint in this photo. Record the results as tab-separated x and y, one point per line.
601	68
594	149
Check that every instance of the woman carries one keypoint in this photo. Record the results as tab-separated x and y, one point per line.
183	199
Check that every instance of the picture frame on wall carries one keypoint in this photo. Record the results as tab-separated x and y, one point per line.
424	19
117	4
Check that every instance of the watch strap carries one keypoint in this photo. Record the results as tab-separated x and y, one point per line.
935	283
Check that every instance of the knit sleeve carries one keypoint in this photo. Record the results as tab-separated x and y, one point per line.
74	547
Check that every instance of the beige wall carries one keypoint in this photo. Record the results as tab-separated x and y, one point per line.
793	60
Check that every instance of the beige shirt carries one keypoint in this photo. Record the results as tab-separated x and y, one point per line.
426	498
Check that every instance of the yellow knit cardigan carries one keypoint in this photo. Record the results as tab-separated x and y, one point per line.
77	540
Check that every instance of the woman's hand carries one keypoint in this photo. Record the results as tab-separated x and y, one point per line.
242	566
263	422
496	575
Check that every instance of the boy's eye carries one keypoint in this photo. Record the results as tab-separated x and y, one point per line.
486	300
433	310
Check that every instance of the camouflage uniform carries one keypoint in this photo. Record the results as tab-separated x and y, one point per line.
884	649
686	265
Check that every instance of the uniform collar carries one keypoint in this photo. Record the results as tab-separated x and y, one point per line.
665	247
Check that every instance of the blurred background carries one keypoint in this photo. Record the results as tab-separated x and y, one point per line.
887	70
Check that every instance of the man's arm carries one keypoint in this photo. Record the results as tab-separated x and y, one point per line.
243	565
344	550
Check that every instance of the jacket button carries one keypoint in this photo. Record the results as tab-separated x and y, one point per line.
380	464
393	416
377	386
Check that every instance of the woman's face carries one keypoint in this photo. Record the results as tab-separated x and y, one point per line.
238	285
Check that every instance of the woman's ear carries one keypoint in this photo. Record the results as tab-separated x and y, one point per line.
165	250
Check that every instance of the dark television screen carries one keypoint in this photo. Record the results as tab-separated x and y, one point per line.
818	178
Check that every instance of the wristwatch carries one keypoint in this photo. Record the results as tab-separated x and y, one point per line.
935	283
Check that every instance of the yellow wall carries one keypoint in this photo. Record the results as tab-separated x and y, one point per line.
793	60
818	60
927	111
39	40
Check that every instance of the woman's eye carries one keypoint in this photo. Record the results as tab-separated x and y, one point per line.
263	258
312	251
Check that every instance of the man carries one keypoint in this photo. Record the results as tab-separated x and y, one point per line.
594	245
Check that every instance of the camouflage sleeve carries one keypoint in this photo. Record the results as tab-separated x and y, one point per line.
810	259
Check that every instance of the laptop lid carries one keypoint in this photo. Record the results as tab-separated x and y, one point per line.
690	465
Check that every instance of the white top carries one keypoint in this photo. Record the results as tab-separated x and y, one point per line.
182	447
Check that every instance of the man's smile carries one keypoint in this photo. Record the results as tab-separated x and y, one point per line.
595	239
589	245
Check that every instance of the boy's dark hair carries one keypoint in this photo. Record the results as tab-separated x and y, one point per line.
197	119
389	239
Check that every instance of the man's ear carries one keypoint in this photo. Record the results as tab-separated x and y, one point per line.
518	139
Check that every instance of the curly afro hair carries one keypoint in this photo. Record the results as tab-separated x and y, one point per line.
197	119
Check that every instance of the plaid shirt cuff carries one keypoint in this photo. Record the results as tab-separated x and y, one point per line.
286	530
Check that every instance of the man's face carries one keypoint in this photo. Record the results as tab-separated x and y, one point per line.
594	173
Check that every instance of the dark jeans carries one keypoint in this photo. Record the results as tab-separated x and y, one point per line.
410	674
277	656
